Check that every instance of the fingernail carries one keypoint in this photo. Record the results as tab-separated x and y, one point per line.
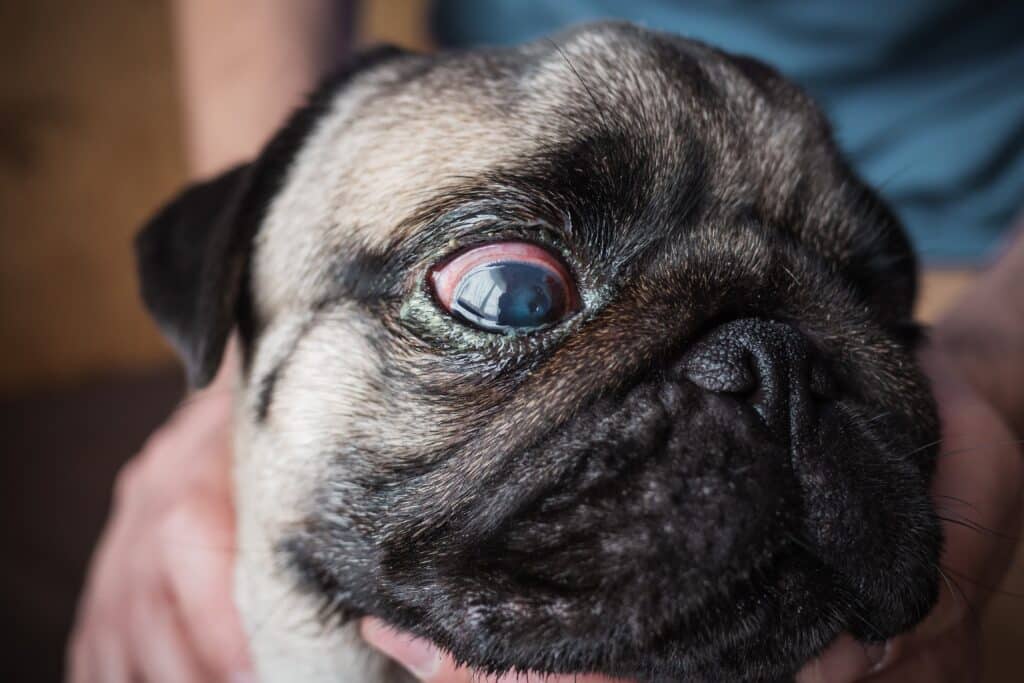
878	655
419	656
842	662
947	613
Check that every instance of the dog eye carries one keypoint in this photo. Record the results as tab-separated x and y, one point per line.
505	287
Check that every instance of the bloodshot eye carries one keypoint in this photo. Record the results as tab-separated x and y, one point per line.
505	287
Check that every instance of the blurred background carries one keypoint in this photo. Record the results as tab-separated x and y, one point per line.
90	144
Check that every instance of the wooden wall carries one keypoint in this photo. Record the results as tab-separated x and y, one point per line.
90	145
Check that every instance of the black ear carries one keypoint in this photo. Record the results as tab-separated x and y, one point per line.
192	258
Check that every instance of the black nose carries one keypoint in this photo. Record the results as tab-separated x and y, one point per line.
769	364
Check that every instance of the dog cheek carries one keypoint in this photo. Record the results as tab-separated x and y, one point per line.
869	518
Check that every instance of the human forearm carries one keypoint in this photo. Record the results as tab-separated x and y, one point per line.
984	333
245	64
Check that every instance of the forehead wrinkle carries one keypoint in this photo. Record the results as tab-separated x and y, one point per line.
363	171
392	146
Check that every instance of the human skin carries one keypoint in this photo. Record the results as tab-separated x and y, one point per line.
156	605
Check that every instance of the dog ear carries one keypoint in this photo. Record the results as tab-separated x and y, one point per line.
192	258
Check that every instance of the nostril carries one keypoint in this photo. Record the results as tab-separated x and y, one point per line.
721	369
768	364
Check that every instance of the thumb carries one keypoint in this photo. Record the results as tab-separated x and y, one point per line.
428	664
420	657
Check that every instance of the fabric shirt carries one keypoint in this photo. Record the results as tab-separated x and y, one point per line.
926	96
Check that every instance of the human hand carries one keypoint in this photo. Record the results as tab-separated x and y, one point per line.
158	603
977	492
430	665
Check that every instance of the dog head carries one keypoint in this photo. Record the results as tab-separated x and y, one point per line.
586	355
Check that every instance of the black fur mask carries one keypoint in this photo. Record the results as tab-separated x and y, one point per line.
705	455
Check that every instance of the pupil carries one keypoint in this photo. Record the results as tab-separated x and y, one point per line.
524	306
510	296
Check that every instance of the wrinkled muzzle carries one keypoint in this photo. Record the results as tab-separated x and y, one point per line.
734	507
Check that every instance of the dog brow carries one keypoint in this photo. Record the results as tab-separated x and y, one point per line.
361	276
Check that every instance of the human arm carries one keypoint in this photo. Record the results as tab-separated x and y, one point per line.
983	333
246	64
158	605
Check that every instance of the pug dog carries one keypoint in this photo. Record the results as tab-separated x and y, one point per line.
587	355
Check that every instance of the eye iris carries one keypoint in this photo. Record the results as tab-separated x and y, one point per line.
505	287
510	296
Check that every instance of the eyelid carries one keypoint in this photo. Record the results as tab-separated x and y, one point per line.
446	276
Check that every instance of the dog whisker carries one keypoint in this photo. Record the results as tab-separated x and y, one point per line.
877	418
982	446
597	105
955	499
979	528
985	586
957	592
924	447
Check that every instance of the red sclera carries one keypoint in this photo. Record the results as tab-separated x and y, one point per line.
445	278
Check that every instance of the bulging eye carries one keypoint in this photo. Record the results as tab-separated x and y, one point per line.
505	287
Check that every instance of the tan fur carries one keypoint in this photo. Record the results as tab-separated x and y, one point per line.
382	151
274	472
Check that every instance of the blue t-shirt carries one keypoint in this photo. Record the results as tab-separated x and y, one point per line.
926	96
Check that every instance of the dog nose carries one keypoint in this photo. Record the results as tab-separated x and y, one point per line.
767	363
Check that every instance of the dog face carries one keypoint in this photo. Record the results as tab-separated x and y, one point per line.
588	355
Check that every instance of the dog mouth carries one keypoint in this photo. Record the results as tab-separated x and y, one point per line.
696	526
